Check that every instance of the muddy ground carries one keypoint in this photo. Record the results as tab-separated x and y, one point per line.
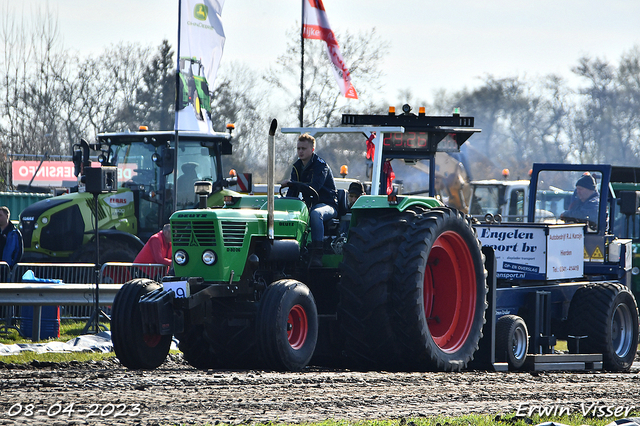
106	393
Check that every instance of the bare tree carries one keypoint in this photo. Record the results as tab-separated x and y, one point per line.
322	100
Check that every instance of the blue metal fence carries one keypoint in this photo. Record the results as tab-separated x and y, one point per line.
48	274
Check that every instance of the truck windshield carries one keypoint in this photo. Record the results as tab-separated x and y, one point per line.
569	197
485	200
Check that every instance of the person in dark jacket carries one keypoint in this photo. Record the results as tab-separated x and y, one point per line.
584	208
11	245
316	173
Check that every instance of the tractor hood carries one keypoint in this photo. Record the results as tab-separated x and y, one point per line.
232	234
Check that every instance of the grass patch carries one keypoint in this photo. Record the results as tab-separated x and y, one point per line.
467	420
69	329
28	357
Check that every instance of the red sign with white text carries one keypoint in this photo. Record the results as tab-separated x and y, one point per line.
57	173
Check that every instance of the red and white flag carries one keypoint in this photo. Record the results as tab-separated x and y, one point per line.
316	27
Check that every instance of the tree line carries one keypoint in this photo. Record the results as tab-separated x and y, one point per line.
52	97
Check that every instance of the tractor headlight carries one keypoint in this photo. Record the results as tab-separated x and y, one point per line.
181	257
635	270
209	257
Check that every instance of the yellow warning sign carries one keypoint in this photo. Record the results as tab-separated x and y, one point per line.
586	254
597	255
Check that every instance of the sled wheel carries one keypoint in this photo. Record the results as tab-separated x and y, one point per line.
512	341
606	313
439	293
287	325
134	349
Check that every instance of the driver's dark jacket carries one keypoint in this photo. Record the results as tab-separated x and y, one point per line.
317	174
583	210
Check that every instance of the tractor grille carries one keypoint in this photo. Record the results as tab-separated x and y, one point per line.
233	233
101	213
185	233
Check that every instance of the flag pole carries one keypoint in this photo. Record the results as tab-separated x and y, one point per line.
175	120
301	111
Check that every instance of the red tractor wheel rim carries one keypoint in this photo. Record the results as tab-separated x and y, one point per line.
297	327
450	291
151	340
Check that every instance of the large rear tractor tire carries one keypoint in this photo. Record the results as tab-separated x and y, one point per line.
512	341
413	291
287	326
606	313
366	269
134	349
439	292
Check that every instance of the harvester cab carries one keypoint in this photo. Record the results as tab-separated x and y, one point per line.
151	167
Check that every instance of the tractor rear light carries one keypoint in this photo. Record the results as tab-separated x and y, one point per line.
229	200
181	257
209	257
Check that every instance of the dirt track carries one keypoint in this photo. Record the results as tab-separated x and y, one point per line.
177	393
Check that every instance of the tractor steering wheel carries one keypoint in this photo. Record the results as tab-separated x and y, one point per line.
309	195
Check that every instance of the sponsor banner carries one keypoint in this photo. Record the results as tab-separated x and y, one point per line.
57	173
566	249
535	253
51	173
201	41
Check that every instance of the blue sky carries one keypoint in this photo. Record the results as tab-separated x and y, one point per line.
434	44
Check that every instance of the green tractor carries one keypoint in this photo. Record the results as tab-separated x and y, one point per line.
625	182
61	229
404	288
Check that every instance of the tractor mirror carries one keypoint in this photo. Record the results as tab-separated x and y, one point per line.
165	161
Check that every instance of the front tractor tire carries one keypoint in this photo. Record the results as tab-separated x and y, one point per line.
134	349
606	313
414	291
287	326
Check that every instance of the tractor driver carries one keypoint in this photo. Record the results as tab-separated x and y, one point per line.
316	173
584	206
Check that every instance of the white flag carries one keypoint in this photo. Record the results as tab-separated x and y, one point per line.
200	43
316	26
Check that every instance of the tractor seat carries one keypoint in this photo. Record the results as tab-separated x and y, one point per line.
332	227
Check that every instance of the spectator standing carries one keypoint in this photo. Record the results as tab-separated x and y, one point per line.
158	249
11	245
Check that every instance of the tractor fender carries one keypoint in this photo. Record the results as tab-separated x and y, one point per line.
381	202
